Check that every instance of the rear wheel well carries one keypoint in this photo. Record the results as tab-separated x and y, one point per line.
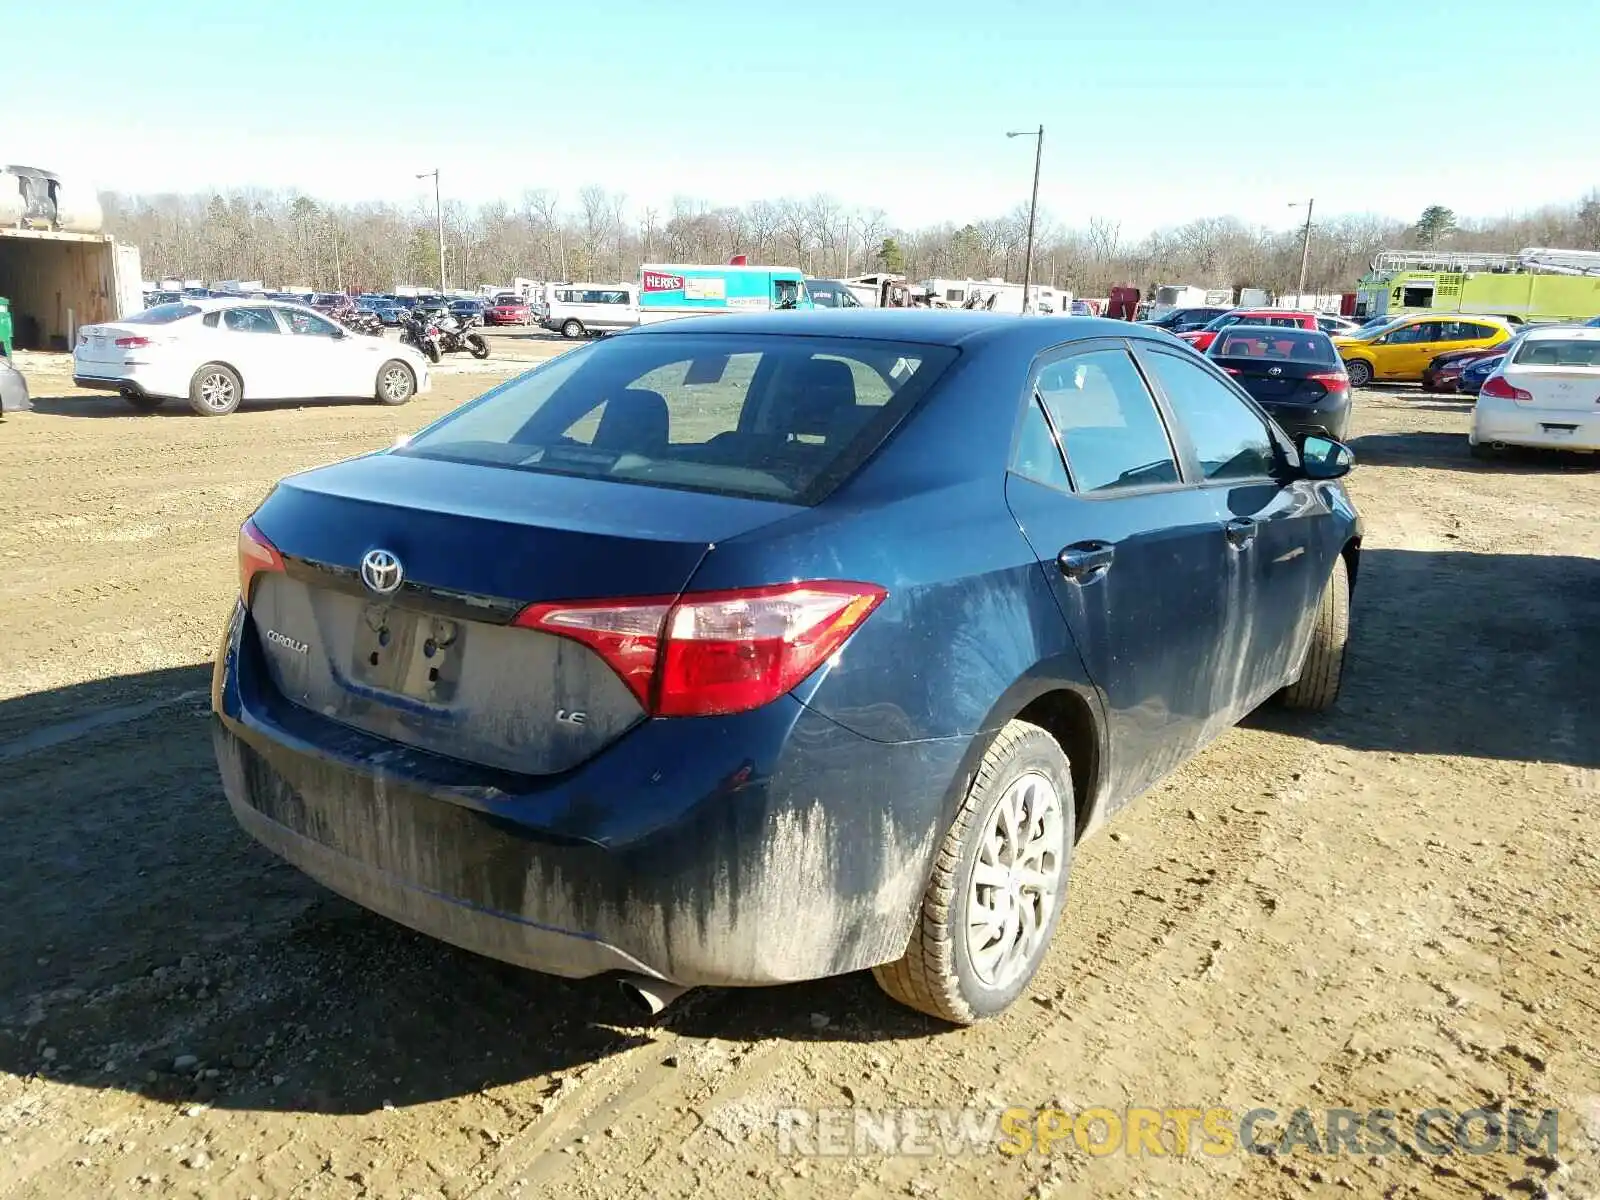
1067	717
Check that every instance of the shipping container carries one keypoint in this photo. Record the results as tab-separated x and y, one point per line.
59	281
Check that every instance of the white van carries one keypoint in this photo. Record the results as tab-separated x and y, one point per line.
582	309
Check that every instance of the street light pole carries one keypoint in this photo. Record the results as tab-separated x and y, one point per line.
1033	211
1305	249
438	214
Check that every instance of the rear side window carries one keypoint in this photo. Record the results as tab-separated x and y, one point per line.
759	415
1110	429
1229	439
161	314
1550	352
1037	457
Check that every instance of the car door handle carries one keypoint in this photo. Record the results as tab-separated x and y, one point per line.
1241	532
1084	562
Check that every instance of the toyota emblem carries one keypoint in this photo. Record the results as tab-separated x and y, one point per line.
380	571
1275	371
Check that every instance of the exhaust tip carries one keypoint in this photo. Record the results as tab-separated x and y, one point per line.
651	996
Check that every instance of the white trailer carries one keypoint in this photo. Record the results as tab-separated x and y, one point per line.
58	281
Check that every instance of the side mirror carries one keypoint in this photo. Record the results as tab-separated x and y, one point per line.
1325	458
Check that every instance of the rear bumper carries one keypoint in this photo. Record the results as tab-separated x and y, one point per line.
1518	425
759	848
13	393
99	383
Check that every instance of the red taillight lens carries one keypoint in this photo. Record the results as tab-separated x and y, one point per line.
1334	381
1496	387
714	652
131	343
256	555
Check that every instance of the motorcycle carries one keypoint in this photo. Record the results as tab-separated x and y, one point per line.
455	336
358	320
419	336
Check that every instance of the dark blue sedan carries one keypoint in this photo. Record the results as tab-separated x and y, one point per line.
747	649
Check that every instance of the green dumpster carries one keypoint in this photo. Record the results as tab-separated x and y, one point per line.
5	327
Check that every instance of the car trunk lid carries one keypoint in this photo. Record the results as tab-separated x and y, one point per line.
1280	381
1559	389
435	662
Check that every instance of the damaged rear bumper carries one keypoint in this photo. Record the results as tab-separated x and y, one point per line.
759	848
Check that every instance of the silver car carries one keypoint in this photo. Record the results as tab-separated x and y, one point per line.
13	388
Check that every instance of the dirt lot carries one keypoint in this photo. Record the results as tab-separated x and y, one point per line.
1394	907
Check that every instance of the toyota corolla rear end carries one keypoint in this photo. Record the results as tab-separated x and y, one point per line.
497	687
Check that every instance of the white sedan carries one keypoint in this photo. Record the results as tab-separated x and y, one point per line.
216	353
1546	392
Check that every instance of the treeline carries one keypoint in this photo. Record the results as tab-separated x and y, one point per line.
289	240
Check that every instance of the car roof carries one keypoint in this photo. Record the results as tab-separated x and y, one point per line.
939	327
1582	333
209	302
1273	312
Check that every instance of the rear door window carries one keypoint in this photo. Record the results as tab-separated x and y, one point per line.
765	416
1110	428
249	320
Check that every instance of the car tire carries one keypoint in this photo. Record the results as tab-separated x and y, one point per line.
572	329
1360	373
942	973
1323	668
397	383
143	403
215	390
476	346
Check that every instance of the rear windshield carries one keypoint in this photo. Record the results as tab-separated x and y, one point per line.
772	417
1551	352
1290	345
161	314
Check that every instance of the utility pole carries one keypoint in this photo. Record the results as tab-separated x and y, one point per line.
1305	250
1033	212
438	214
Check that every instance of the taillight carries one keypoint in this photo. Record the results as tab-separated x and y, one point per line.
714	652
1231	370
256	555
1334	381
131	343
1496	387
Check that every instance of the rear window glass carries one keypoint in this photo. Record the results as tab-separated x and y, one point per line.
765	416
161	314
1551	352
1285	344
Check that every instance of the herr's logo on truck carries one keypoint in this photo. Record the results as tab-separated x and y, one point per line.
654	282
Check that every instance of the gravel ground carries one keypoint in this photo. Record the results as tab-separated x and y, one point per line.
1391	907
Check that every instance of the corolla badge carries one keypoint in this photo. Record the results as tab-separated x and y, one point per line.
381	572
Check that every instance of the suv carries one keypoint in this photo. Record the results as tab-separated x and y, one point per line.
1182	320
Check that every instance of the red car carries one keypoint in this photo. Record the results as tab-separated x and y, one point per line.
507	311
1201	339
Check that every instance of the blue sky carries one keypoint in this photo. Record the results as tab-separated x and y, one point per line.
1156	111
